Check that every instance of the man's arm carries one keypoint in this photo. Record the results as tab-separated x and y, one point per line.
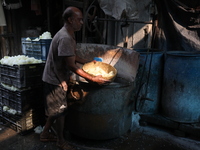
70	62
81	60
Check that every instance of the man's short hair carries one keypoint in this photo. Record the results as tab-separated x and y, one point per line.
67	14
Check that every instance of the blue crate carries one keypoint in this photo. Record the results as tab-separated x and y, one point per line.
1	110
45	45
27	45
37	49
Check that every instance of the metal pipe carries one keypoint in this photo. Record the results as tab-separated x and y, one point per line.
127	20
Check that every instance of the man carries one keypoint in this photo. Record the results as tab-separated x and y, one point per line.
60	62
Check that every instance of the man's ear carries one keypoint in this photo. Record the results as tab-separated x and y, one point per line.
70	20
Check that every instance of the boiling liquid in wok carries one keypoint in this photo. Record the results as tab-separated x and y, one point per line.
98	71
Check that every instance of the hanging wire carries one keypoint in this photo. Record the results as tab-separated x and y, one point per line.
141	79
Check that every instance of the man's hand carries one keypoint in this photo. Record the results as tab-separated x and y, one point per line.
101	81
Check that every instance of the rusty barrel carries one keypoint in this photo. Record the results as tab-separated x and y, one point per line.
104	113
180	96
149	81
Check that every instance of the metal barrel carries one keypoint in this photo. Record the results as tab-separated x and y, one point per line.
180	95
147	90
104	113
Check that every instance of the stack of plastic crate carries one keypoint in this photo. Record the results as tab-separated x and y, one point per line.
21	92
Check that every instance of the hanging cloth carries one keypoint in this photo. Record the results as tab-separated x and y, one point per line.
12	4
36	6
179	25
2	16
120	8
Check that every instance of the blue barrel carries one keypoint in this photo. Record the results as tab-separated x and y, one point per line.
149	81
181	95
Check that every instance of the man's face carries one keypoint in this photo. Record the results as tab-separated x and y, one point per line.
77	21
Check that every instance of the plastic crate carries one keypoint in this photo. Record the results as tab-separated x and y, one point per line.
1	110
45	45
37	49
22	123
22	100
1	100
27	44
22	76
23	40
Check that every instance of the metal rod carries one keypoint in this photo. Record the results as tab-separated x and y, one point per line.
127	20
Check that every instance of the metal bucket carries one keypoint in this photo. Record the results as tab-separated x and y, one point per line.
180	97
149	81
104	112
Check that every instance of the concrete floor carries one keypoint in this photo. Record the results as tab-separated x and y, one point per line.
141	138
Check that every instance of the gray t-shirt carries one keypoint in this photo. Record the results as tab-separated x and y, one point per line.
56	71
